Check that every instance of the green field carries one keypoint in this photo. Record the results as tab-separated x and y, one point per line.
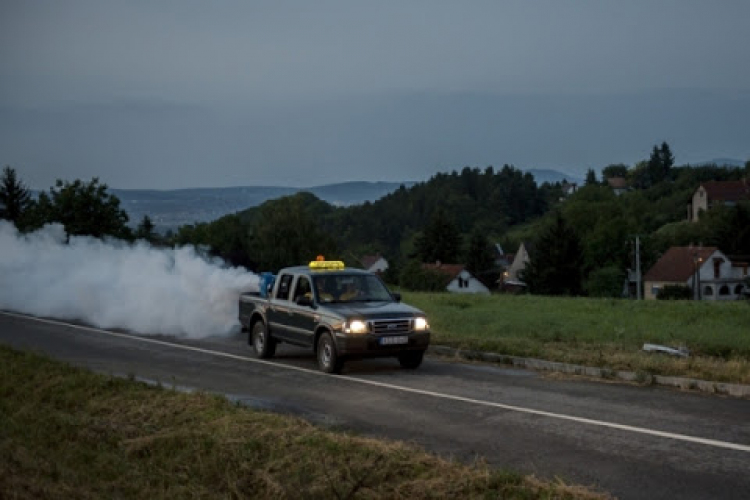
607	333
68	433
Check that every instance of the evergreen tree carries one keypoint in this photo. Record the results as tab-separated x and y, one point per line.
480	256
667	160
555	266
440	241
15	198
145	230
590	177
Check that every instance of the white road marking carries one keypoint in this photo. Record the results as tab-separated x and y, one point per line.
559	416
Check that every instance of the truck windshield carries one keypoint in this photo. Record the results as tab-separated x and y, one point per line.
350	288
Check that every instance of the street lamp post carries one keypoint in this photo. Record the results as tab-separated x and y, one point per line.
697	276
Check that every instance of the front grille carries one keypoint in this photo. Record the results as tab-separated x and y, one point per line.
391	327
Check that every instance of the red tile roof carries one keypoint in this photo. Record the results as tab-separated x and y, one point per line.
677	263
727	190
617	182
449	270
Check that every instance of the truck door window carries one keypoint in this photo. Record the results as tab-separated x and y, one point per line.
284	286
303	288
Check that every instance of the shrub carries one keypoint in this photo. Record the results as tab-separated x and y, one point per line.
675	292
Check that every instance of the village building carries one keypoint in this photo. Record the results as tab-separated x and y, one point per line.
458	279
712	193
619	185
512	277
374	263
707	271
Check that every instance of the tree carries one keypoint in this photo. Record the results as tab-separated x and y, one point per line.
667	159
606	282
480	258
555	266
83	208
614	170
145	230
590	177
285	233
15	198
440	241
415	277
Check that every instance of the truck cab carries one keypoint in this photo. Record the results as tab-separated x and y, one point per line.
339	313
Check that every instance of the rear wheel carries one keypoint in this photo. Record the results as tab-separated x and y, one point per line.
410	359
328	359
263	344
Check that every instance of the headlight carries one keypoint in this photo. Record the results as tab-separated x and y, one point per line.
356	326
420	324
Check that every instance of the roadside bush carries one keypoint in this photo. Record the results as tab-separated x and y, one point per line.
605	282
416	278
675	292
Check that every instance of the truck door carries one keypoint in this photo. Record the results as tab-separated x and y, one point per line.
302	323
279	309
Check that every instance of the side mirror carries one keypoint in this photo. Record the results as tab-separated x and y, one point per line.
304	301
396	296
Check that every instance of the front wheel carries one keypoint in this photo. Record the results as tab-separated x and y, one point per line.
328	359
410	359
263	344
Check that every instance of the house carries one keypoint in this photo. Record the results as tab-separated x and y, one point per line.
512	277
712	193
374	263
502	260
568	188
458	279
706	270
619	185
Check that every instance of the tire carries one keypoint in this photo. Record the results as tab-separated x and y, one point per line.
328	359
263	344
410	359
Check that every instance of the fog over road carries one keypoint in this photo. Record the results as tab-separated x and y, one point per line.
635	442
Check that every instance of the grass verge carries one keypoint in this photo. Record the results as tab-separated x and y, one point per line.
606	333
69	433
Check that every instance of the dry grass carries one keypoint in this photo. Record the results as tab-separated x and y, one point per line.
598	332
67	433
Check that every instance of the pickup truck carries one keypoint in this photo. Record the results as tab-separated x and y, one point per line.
340	313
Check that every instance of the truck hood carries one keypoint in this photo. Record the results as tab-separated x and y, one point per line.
375	310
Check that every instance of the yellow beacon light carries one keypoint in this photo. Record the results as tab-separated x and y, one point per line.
322	263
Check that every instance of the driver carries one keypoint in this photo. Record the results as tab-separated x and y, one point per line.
323	288
350	292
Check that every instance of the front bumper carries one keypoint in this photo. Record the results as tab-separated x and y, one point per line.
369	345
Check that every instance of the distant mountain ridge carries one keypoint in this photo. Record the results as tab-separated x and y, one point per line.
552	176
169	209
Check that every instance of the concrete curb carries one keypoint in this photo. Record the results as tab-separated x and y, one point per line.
735	390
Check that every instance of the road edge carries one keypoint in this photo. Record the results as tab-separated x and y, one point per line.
646	379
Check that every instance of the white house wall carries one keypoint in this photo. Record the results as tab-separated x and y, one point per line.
471	284
729	276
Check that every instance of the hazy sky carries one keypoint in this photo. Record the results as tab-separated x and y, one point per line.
188	93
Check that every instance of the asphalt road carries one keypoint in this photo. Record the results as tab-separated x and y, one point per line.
635	442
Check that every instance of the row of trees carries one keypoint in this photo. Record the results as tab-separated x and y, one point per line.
83	208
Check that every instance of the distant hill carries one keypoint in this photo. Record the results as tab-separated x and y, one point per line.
545	175
169	209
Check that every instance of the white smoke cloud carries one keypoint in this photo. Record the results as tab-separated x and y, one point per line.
115	284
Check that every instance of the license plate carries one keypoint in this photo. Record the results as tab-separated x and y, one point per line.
403	339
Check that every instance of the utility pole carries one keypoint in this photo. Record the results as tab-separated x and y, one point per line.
637	267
